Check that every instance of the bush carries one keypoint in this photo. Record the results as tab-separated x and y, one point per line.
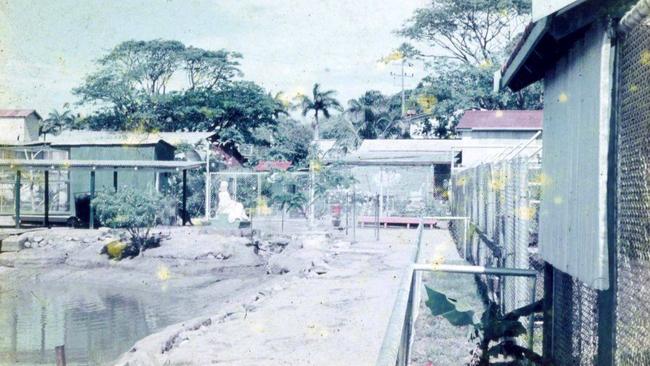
135	211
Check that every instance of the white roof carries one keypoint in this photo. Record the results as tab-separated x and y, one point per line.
84	137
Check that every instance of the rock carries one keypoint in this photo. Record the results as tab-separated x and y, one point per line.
37	239
114	249
12	244
320	267
86	240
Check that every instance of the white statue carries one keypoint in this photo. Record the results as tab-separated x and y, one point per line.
230	207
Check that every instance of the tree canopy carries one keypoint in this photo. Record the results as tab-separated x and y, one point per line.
132	90
473	32
468	41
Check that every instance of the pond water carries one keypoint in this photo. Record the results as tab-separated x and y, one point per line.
96	325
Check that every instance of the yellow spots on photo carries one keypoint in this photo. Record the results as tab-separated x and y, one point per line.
393	56
461	181
163	273
563	98
263	207
526	212
427	102
497	183
558	200
66	164
257	327
542	179
437	260
634	88
315	330
485	64
645	58
315	166
498	114
297	93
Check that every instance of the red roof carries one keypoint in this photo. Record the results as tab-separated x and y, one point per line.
501	120
268	165
17	113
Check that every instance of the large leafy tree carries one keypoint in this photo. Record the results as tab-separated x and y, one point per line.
468	39
464	87
321	102
290	141
131	91
210	69
473	32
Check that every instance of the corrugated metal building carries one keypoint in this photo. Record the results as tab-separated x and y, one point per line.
595	65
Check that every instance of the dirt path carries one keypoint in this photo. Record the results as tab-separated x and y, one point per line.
338	317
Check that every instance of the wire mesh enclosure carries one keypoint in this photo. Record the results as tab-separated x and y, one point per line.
501	200
633	243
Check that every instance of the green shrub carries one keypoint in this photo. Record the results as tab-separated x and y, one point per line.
135	211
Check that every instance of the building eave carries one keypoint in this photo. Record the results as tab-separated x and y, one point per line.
548	39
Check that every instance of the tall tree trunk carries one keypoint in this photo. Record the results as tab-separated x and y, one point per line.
316	128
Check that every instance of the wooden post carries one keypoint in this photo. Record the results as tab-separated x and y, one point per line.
91	218
60	355
17	198
184	212
46	199
115	180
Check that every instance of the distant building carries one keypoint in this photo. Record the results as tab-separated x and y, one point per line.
500	124
19	125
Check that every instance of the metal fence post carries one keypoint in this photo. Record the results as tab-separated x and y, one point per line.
46	199
376	217
91	219
17	198
347	212
354	214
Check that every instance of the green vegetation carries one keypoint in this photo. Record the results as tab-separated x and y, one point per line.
286	195
321	102
137	212
494	333
475	38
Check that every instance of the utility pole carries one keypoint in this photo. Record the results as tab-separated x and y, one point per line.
403	75
403	93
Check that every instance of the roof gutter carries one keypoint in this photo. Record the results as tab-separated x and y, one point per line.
634	17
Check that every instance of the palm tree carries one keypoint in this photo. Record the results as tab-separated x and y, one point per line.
280	105
370	113
55	122
321	102
374	116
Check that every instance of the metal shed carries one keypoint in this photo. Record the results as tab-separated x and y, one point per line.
90	168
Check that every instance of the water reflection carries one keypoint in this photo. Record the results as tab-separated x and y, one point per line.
96	325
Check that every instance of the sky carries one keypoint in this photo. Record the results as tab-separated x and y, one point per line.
47	47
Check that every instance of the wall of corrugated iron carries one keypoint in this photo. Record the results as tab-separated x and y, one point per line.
572	224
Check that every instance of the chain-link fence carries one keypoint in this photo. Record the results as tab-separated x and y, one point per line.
633	243
501	200
404	191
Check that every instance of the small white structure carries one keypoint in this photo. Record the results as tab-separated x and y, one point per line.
19	125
